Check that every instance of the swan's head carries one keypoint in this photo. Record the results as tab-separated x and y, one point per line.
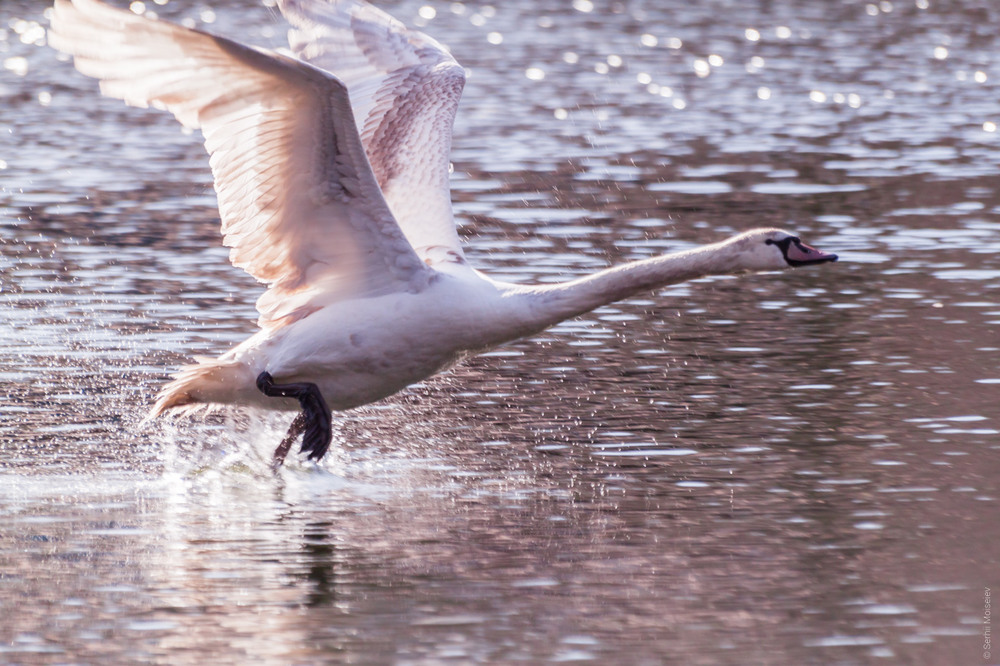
774	249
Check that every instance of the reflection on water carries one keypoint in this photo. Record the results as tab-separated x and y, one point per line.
776	469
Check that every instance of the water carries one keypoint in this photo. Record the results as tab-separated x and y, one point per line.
777	469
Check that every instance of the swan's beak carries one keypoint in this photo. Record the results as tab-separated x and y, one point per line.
800	254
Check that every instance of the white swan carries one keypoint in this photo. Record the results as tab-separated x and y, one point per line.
368	290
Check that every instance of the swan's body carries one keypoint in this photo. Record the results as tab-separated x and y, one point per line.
352	231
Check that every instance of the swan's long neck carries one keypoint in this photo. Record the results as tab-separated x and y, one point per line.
551	304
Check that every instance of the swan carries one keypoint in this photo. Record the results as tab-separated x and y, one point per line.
332	175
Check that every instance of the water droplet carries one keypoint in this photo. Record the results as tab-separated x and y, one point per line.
752	35
30	32
649	40
783	32
940	52
534	73
16	65
763	92
585	6
427	12
494	38
989	126
817	96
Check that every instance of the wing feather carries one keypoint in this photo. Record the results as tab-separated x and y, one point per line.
300	206
404	89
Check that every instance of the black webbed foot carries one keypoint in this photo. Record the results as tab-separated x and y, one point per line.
315	420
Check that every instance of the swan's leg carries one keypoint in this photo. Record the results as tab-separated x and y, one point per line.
297	428
317	421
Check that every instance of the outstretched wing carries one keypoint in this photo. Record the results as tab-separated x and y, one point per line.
404	90
300	206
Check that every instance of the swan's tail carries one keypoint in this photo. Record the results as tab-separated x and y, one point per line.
209	381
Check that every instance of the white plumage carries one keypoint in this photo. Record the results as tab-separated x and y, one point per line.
331	170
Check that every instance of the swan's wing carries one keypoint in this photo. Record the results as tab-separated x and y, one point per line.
404	89
300	206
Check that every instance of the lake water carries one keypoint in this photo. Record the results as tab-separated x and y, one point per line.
779	469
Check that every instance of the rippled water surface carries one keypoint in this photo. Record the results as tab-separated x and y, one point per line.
795	468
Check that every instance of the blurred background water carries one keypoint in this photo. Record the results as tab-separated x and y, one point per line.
797	468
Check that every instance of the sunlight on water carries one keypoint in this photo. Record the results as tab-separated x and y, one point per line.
796	468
